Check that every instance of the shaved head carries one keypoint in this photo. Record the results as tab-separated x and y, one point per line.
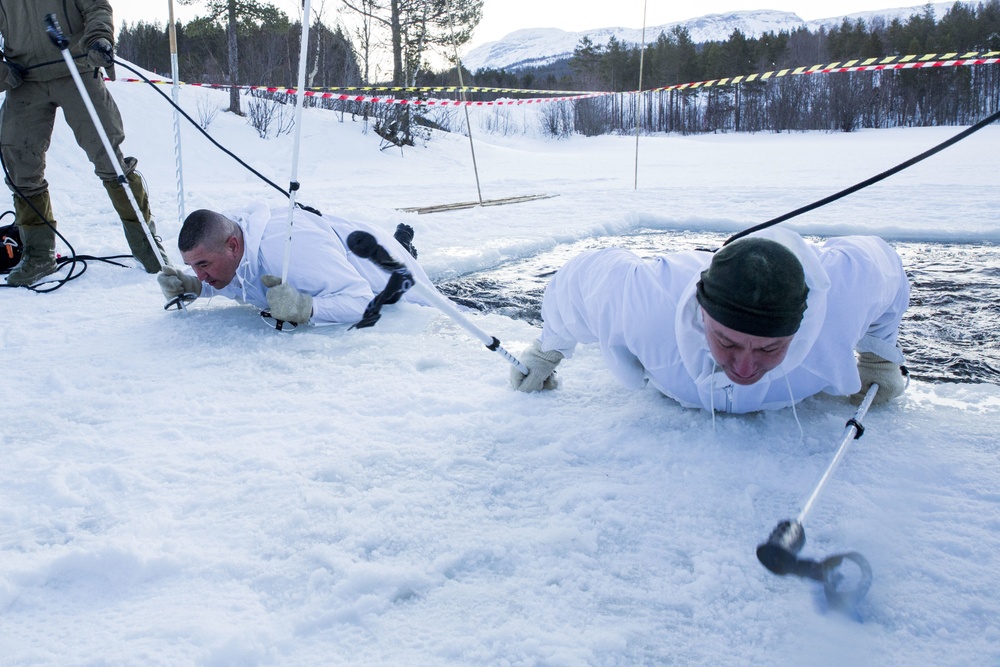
212	245
205	228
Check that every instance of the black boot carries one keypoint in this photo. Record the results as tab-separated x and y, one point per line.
38	240
404	234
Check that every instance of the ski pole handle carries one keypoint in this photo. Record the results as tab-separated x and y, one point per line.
55	32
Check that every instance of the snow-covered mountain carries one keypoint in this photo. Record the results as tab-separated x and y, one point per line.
534	47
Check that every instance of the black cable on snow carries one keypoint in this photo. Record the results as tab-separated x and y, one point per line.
871	181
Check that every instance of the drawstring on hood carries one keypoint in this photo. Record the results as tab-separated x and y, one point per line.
791	397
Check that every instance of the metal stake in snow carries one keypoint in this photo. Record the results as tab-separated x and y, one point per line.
175	93
59	40
638	97
364	245
779	553
461	85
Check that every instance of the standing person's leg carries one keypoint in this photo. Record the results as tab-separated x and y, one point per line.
26	120
87	136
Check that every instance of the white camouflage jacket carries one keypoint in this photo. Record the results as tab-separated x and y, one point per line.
320	264
645	316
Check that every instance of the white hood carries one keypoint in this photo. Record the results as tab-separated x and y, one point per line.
690	329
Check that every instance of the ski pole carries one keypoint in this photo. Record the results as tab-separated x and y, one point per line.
779	553
62	43
365	245
853	430
293	185
492	343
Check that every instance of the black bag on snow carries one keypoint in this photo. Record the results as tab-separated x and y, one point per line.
10	251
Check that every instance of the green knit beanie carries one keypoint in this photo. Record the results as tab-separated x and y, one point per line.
755	286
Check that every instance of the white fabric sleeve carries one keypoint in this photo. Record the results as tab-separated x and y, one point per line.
319	267
583	301
878	289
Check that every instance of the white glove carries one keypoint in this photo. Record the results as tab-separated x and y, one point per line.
287	303
175	283
541	369
889	376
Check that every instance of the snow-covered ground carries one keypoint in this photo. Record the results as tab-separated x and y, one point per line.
197	489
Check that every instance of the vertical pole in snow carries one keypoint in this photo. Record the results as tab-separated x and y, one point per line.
299	98
461	85
175	93
638	96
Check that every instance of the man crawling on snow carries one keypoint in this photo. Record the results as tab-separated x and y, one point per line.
240	255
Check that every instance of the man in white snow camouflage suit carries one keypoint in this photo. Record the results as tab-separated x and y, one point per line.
240	255
763	323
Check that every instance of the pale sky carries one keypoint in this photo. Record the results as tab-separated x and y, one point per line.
501	17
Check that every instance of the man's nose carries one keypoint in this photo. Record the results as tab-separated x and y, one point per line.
744	363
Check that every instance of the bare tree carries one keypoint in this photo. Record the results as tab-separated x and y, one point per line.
415	26
364	34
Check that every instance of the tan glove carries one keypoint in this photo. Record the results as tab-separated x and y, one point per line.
174	283
890	377
285	302
541	369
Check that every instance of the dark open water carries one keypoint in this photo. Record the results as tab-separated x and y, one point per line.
951	332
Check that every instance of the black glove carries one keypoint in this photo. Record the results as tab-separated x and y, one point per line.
399	282
100	54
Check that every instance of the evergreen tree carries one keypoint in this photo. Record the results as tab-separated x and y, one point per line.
250	12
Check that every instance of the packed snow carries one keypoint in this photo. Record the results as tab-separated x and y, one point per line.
198	489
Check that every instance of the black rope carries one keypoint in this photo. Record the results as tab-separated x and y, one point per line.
200	129
871	181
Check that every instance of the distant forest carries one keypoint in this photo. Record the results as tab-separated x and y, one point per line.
268	56
840	101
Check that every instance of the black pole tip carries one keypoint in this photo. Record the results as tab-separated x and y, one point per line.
777	559
362	244
778	554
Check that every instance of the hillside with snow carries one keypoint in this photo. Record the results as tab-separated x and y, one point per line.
536	47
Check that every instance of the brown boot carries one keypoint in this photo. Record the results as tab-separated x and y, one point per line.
151	260
38	241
